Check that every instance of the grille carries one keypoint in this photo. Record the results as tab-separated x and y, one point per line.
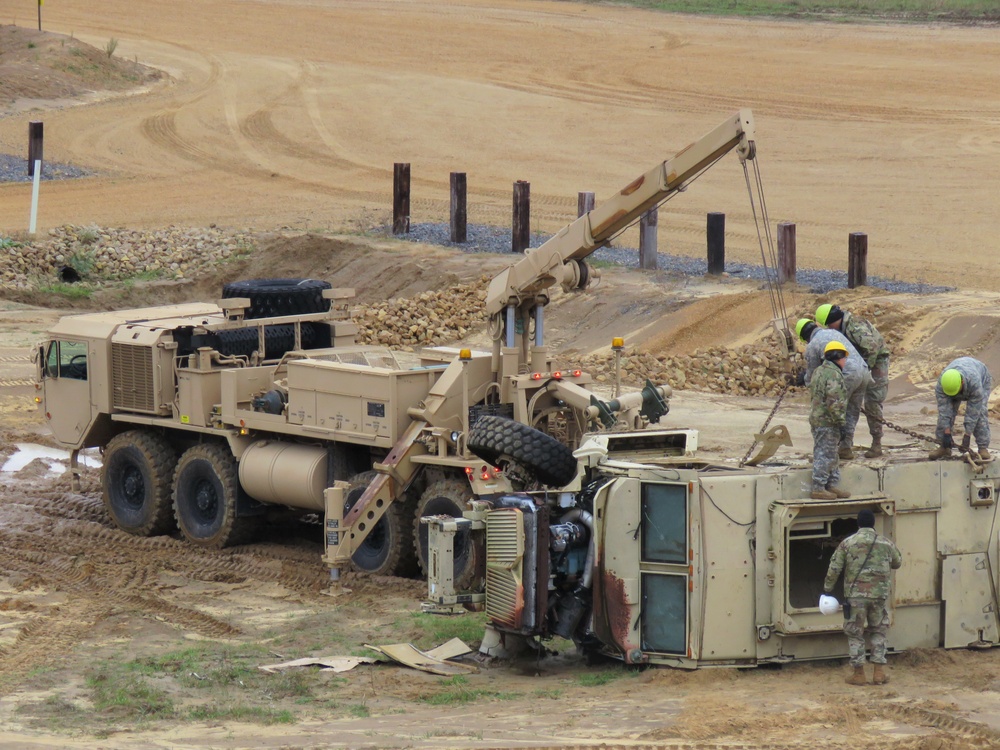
504	566
132	376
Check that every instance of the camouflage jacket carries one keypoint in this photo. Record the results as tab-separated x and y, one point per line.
976	387
865	337
829	397
855	368
872	581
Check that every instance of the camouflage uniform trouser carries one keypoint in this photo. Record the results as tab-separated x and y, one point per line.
826	463
874	612
878	389
855	399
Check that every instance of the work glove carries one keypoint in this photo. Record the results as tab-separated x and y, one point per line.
947	442
800	378
966	441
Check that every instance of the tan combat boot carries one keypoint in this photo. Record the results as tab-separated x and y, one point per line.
821	494
845	453
984	454
857	677
880	677
876	450
934	455
838	492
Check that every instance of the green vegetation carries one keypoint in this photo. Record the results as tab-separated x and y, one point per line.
110	47
598	679
458	691
436	629
69	291
892	10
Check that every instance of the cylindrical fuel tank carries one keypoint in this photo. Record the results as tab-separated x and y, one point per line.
284	473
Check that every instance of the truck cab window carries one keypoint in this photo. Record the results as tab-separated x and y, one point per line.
66	359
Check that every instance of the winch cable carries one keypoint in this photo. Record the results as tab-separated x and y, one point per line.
768	256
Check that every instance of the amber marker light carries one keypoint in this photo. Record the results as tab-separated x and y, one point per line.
617	343
465	354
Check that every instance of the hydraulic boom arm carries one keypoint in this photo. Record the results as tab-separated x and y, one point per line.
559	260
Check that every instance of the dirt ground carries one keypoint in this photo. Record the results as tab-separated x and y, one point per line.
286	117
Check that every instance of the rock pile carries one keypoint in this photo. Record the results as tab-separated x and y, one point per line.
429	319
102	254
752	370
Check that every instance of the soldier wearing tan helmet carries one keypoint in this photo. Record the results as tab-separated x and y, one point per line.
827	418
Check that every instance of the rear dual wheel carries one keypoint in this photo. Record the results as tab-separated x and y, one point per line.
448	497
388	548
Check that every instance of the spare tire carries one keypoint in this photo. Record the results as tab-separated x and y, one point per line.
272	298
496	438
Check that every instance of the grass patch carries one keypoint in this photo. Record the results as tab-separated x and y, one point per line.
129	697
894	10
436	629
458	691
252	714
597	679
69	291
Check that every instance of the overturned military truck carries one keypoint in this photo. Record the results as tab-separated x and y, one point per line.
653	556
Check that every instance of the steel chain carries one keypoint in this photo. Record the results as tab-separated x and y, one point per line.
905	431
766	423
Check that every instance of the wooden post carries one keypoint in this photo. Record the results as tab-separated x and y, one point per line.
34	146
857	260
584	203
786	253
716	235
459	208
647	239
520	238
401	198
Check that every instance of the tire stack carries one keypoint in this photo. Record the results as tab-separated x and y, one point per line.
274	298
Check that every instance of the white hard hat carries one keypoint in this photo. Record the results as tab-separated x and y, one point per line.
828	604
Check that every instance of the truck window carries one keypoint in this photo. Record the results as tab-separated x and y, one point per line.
664	523
66	359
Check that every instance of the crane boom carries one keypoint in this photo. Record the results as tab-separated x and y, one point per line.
559	260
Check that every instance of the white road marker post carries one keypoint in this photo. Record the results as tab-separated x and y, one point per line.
34	196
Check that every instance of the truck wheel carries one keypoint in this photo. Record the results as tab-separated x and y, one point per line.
448	497
136	474
387	551
271	298
206	491
497	440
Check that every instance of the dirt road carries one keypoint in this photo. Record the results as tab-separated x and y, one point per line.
292	113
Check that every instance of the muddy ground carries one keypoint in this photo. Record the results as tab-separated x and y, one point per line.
289	123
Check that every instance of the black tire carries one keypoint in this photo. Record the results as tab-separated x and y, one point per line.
136	475
498	440
278	339
271	298
206	493
448	497
388	548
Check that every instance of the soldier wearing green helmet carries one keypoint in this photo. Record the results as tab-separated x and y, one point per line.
964	379
871	346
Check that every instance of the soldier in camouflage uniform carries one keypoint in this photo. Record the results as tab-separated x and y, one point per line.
964	379
865	559
827	419
871	346
857	377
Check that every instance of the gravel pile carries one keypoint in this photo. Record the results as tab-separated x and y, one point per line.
485	239
76	253
15	169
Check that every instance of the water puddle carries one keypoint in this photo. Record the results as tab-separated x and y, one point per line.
55	458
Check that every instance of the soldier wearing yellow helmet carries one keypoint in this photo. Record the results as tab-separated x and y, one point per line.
857	377
964	379
827	418
871	346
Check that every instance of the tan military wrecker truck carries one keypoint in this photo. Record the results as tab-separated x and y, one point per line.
211	415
